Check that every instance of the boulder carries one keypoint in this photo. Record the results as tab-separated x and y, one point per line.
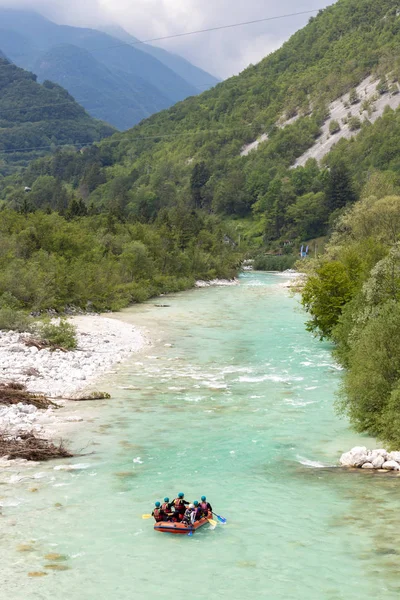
391	465
378	461
356	457
394	456
368	465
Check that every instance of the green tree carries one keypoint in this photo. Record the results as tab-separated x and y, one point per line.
340	190
324	296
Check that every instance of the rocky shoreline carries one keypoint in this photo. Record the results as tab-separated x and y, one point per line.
102	344
360	457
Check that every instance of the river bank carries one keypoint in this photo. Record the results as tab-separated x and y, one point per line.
103	343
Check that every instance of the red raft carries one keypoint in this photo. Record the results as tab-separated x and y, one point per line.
182	528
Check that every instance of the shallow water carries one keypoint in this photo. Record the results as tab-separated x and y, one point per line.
239	409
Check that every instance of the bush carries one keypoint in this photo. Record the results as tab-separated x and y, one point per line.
270	262
334	127
354	123
58	334
14	320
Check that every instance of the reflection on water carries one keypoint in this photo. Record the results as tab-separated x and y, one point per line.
237	406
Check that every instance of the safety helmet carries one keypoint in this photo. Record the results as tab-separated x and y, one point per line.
157	504
203	498
196	502
166	499
191	505
181	495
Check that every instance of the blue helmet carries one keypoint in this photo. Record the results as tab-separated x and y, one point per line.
203	498
157	505
166	499
181	495
196	502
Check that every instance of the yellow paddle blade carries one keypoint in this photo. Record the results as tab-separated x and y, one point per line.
212	522
146	516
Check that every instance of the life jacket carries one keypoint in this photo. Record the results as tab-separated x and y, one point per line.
204	507
165	507
179	505
157	514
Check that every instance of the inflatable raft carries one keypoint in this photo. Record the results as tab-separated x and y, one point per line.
182	528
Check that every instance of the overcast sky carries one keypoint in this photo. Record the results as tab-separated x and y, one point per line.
222	53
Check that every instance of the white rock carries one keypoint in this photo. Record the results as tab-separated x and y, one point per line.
367	465
391	465
377	462
356	457
394	456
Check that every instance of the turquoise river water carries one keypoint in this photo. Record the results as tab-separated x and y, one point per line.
239	409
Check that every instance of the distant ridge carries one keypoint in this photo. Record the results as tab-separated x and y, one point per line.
35	118
139	81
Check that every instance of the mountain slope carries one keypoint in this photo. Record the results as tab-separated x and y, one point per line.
118	98
34	117
197	77
32	41
193	153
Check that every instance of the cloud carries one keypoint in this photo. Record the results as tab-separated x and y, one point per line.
224	52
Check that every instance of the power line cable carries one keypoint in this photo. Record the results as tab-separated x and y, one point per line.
209	29
177	35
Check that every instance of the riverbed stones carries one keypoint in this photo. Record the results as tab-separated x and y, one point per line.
367	465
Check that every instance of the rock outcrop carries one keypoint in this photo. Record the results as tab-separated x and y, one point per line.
380	459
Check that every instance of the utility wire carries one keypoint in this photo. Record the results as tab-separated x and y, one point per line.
209	29
177	35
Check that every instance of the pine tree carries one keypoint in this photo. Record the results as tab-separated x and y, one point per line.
340	191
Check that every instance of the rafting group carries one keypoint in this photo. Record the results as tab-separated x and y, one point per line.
182	511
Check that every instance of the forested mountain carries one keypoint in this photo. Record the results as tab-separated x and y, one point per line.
35	117
132	83
194	154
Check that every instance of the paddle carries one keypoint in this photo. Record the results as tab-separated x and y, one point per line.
221	519
212	522
146	516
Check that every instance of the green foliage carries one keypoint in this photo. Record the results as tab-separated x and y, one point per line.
334	127
48	261
372	382
34	118
324	296
14	320
270	262
61	334
354	123
354	298
354	97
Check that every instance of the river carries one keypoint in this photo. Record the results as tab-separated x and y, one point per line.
239	408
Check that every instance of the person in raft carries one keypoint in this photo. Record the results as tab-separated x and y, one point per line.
198	513
205	506
189	516
179	505
166	507
158	513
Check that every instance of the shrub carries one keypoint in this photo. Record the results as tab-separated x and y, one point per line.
270	262
354	97
334	127
58	334
14	320
354	123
